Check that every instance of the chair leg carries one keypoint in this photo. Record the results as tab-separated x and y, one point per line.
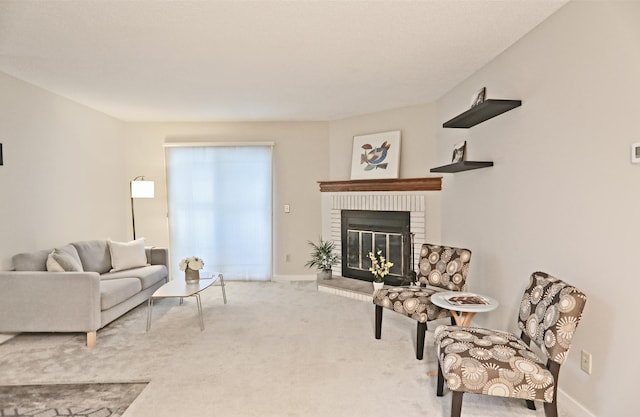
453	321
456	403
378	322
531	405
440	386
551	409
422	331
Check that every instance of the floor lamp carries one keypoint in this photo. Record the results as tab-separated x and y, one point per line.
140	188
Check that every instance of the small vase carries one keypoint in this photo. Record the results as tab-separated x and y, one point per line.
191	275
377	286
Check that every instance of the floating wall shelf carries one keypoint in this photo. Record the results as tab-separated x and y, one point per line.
462	166
483	111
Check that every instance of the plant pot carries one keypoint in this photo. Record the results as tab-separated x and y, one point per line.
191	275
377	286
324	274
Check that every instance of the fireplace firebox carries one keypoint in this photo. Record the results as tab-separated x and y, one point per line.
364	231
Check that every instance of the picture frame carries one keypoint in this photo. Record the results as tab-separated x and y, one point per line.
459	151
376	156
480	97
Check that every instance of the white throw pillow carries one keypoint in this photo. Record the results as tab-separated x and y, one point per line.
127	255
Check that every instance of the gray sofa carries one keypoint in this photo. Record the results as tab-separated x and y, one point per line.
33	299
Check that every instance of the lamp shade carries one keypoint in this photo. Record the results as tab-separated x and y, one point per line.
142	189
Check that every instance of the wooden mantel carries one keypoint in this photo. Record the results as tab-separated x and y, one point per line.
398	184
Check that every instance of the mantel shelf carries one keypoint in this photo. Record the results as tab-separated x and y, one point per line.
463	166
397	184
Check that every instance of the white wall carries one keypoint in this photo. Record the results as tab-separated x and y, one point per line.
563	196
417	151
301	156
63	175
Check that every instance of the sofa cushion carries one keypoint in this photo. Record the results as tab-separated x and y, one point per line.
115	291
61	261
71	250
148	275
31	261
127	255
94	255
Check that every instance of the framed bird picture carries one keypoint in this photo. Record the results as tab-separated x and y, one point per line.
376	156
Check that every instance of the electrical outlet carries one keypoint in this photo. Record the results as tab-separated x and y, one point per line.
585	361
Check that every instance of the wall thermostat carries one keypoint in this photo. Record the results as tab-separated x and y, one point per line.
635	153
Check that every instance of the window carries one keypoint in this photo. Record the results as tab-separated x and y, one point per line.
220	208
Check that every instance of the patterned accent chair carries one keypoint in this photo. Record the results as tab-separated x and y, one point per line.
492	362
440	268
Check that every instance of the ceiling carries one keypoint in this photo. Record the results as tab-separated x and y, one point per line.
256	60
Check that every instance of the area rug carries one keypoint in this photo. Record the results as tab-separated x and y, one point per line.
71	400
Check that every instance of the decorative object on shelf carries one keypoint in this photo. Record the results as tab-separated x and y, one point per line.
380	267
323	258
376	155
191	267
140	188
458	152
479	97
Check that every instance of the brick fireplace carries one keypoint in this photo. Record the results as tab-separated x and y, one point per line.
390	198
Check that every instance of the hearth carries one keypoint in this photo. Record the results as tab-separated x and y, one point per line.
364	231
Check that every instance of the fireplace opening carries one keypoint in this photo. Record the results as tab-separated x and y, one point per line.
364	231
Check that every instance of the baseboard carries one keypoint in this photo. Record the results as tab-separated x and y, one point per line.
571	406
286	278
6	336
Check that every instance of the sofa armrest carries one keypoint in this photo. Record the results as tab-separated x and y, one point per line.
158	256
38	301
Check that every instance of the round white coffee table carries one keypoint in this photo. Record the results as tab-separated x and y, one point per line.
464	305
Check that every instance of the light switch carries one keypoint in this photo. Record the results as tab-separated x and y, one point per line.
287	208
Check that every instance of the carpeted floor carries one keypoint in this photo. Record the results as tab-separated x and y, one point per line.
277	349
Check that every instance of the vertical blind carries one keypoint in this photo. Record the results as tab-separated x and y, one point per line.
220	208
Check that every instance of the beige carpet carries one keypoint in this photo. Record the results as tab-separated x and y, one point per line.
277	349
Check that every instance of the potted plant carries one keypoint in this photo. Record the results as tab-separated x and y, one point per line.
323	258
379	268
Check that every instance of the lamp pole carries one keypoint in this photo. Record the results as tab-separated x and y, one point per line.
133	220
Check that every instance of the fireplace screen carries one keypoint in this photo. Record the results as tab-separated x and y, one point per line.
361	242
366	231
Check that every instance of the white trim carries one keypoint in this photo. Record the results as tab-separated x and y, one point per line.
288	278
210	144
572	407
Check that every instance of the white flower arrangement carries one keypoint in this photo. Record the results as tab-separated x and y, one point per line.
192	262
379	266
